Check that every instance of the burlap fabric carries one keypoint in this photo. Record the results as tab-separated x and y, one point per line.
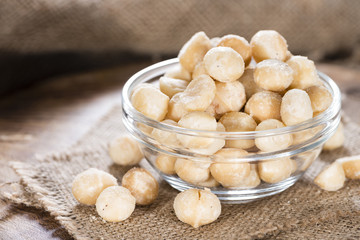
312	28
302	212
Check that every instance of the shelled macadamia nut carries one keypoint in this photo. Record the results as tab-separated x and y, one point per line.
229	97
211	182
331	178
228	173
320	98
295	107
304	135
199	94
238	122
125	150
268	44
142	185
166	137
264	105
176	108
194	51
351	166
198	121
172	86
305	74
87	185
151	102
273	75
274	171
250	181
115	204
197	207
239	44
224	64
192	171
273	143
247	80
178	72
215	146
215	41
165	163
337	140
199	70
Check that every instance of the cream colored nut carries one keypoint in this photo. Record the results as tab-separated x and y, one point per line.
144	128
295	107
274	143
211	182
320	98
142	185
273	75
224	64
247	80
268	44
331	178
151	102
178	72
165	163
227	173
252	180
264	105
337	140
124	150
197	207
308	158
166	137
191	171
288	55
351	166
199	70
238	122
302	136
176	108
305	74
115	204
199	94
172	86
274	171
215	41
215	146
87	185
229	97
198	121
239	44
143	85
194	51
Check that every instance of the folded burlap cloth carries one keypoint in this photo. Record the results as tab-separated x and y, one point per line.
302	212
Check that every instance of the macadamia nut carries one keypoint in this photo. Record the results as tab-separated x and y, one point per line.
165	163
239	44
273	143
191	171
194	51
171	86
264	105
115	204
228	173
238	122
247	80
273	75
197	207
199	70
142	185
320	98
268	44
216	145
87	185
178	72
125	150
331	178
337	140
274	171
176	108
295	107
166	137
211	182
250	181
351	166
305	74
224	64
151	102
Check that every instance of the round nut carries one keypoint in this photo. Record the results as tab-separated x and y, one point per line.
239	44
176	107
166	137
199	70
337	140
115	204
224	64
264	105
178	72
172	86
197	207
305	74
247	80
274	171
331	178
165	163
351	166
88	185
124	150
191	171
320	98
142	185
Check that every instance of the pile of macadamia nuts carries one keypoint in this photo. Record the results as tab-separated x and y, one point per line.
230	85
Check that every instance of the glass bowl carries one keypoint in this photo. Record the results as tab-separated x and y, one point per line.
271	172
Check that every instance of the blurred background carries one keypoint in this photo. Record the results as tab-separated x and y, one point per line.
40	39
